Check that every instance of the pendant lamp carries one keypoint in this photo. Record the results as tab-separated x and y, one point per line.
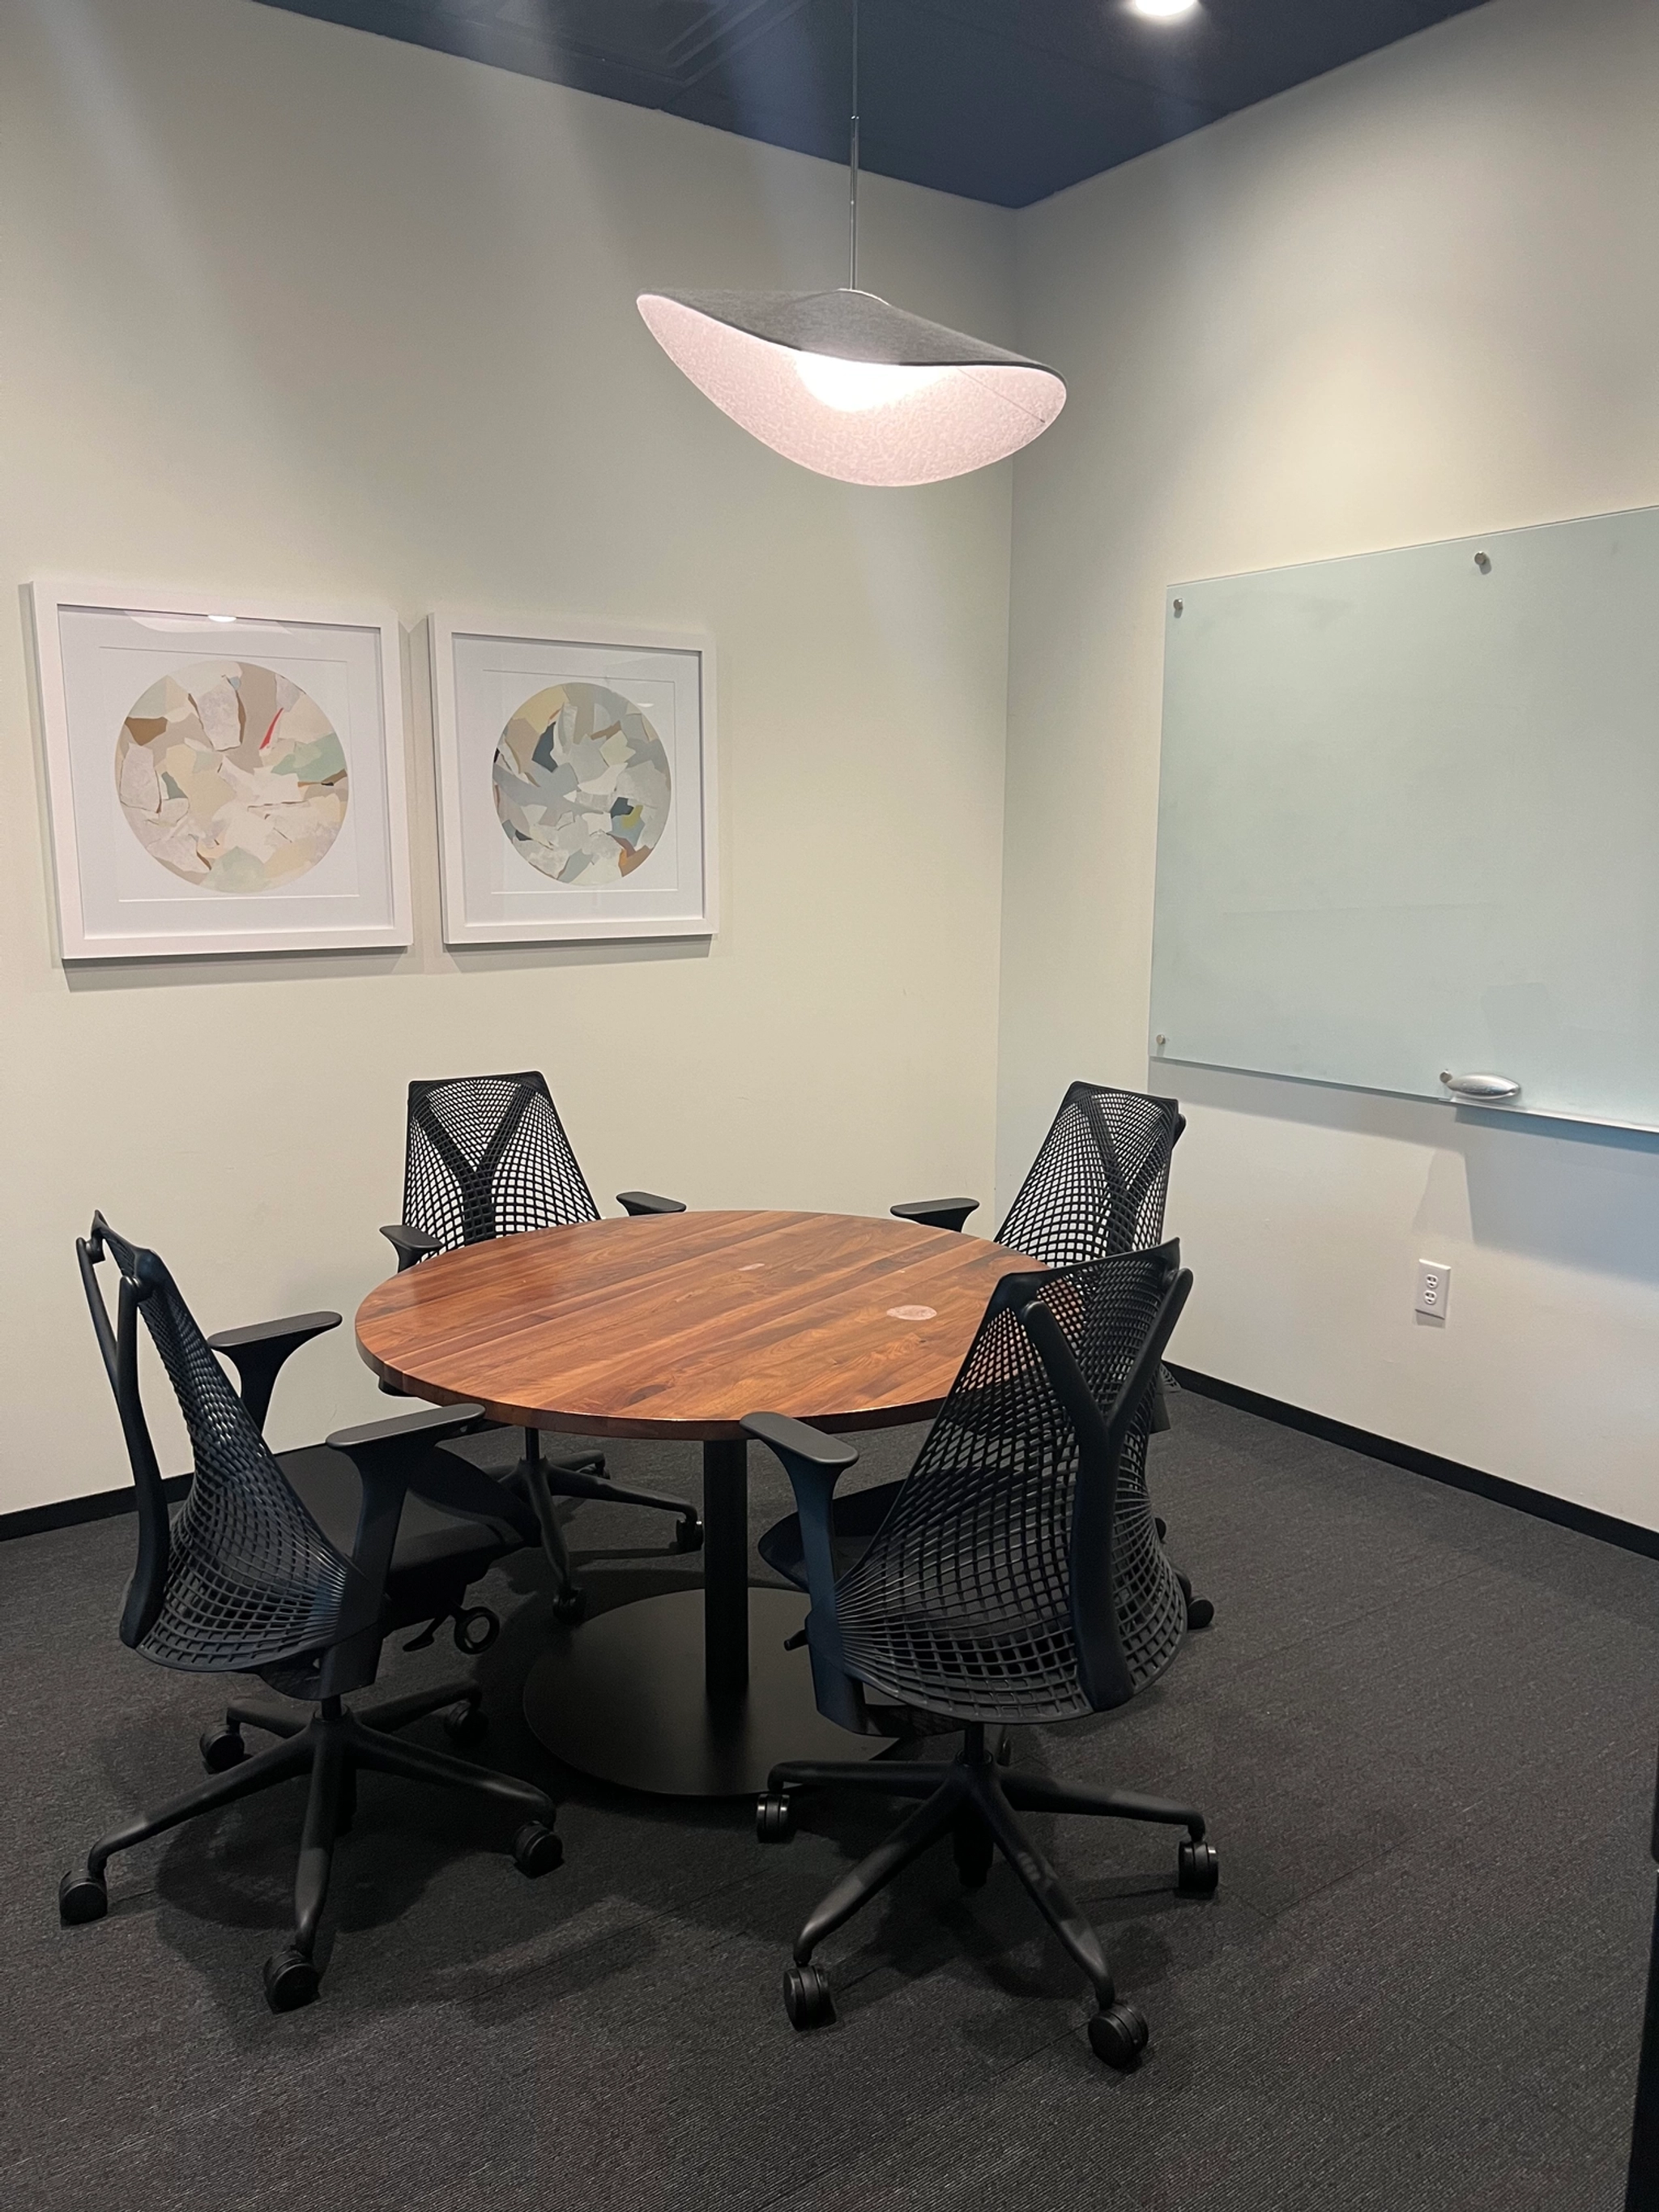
849	385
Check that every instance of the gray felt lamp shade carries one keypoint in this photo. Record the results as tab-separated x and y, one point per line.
848	385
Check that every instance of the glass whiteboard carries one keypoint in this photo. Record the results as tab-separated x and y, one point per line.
1408	819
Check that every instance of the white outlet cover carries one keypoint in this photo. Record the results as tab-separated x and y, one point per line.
1433	1289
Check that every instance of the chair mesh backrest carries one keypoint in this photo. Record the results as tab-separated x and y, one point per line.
252	1580
488	1157
964	1602
1098	1183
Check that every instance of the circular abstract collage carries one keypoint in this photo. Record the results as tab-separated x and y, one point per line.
582	784
232	776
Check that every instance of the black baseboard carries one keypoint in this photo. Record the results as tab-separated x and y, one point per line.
1538	1503
68	1512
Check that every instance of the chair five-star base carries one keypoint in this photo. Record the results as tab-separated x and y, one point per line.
978	1807
332	1747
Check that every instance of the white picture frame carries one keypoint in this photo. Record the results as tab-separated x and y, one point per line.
581	879
222	868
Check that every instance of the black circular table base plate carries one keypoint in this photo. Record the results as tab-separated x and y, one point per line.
622	1698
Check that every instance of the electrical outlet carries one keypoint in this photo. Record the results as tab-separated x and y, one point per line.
1433	1289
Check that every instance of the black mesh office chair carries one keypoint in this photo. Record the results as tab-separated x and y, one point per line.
294	1566
487	1156
1016	1577
1097	1186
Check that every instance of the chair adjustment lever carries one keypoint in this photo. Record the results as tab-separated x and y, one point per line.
796	1641
475	1629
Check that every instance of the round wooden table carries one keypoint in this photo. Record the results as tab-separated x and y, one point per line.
678	1325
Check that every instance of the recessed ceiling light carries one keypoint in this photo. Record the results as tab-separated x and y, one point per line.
1163	11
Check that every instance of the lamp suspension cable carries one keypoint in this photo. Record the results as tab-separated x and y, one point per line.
847	384
853	164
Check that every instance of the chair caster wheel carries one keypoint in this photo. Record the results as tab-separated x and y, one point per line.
1197	1869
806	1997
291	1980
536	1850
688	1534
1118	2035
570	1606
1199	1610
81	1897
223	1748
466	1722
775	1818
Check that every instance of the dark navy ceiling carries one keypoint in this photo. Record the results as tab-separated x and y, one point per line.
1004	100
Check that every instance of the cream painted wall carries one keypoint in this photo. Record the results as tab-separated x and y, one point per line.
286	307
1414	299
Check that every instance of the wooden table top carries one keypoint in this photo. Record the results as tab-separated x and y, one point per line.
677	1325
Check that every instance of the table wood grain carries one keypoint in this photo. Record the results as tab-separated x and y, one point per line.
677	1325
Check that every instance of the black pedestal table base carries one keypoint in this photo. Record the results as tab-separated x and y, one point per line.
625	1700
690	1695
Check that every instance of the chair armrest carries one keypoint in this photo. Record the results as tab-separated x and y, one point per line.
390	1459
1102	1663
258	1353
814	1463
449	1479
936	1212
375	1439
795	1440
410	1244
646	1201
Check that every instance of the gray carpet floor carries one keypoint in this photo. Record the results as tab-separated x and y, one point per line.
1422	1728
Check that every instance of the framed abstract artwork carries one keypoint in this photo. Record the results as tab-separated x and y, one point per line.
576	781
224	776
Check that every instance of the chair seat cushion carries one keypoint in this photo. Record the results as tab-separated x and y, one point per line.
437	1554
854	1520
